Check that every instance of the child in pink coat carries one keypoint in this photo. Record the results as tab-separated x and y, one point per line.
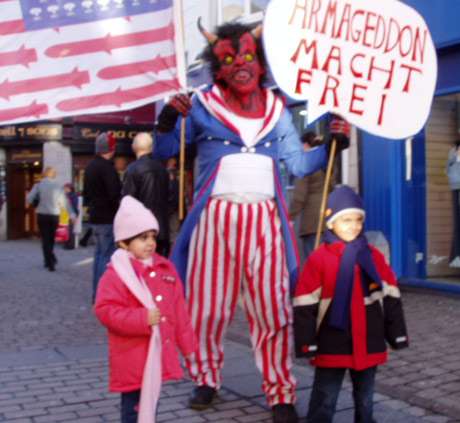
140	301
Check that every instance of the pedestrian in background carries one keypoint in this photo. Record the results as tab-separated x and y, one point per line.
346	305
50	199
139	296
306	200
101	194
173	199
72	204
453	174
147	180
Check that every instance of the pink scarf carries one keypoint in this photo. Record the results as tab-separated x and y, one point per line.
151	379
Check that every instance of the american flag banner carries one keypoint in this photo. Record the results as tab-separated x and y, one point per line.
70	57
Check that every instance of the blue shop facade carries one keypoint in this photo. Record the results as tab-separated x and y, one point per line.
404	184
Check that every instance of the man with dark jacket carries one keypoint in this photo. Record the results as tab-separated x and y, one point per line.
147	180
101	194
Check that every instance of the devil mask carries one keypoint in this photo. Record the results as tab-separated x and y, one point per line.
236	57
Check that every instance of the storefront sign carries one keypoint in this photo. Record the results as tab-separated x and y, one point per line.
90	132
42	132
25	156
372	62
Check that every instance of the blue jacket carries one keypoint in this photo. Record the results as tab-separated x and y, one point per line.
215	140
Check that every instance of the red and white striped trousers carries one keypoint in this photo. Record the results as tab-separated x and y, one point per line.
237	250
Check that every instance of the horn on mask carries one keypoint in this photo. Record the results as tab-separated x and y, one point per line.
257	32
212	38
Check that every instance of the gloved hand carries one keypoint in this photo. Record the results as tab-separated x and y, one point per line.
179	104
339	129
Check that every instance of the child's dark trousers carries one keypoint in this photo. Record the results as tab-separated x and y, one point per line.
326	388
130	406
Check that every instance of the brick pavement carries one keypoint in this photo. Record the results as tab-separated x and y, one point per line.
53	356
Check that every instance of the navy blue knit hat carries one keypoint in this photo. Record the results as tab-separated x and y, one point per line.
342	200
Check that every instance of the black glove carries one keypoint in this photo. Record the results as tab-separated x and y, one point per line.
167	119
339	130
342	142
179	104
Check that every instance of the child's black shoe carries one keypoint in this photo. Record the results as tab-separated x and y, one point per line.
202	397
284	413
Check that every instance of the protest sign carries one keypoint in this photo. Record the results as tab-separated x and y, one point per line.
372	62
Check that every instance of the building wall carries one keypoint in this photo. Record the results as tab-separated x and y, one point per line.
441	132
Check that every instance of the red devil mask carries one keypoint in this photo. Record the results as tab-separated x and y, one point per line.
240	69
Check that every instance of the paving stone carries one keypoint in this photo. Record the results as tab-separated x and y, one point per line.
221	415
241	403
436	419
95	419
257	417
415	411
24	413
56	417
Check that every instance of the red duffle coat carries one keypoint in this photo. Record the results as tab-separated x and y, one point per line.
126	321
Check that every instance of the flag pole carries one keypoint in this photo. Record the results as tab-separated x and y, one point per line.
180	43
182	170
327	181
182	77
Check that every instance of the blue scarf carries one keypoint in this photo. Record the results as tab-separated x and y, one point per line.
356	252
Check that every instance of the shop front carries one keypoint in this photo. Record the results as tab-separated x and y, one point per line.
68	147
23	147
404	183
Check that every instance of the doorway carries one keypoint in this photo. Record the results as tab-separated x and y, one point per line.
21	177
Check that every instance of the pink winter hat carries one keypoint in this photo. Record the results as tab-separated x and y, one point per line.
132	219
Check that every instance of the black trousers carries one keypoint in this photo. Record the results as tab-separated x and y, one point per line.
47	225
130	406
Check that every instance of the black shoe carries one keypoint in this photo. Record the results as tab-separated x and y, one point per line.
202	397
284	413
51	268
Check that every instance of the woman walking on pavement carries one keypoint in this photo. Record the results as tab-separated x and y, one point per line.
49	197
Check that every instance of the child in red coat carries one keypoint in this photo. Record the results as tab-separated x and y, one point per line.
140	301
347	305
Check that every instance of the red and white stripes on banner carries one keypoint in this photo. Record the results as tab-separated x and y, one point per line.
237	251
67	68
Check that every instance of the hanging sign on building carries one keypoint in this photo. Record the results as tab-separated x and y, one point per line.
40	132
372	62
121	133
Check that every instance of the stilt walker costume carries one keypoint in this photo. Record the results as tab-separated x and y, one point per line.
236	242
